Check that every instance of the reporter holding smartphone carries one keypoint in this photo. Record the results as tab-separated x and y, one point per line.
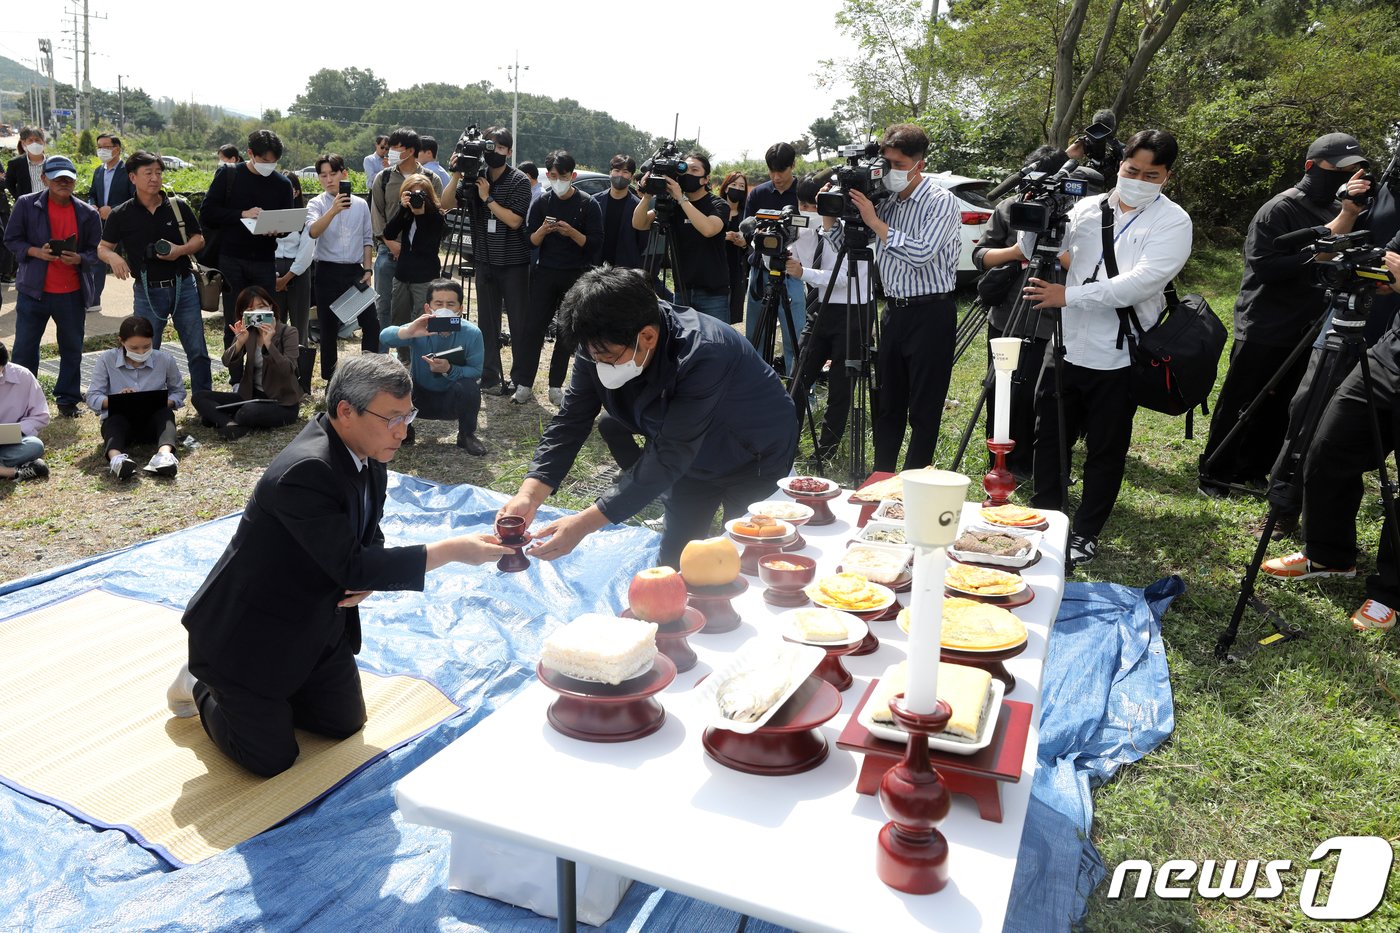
447	354
262	363
340	224
417	228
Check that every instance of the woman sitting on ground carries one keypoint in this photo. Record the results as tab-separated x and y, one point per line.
134	366
22	402
262	361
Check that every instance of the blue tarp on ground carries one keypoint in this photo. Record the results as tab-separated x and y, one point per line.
350	862
1107	702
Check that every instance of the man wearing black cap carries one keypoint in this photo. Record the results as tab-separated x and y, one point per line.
1279	304
54	237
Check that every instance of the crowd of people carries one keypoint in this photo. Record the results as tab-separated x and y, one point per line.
718	418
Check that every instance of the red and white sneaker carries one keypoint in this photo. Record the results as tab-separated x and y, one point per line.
1297	567
1373	616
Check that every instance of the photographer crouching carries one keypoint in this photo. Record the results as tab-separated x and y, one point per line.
916	235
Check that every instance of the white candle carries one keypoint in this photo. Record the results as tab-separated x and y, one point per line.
925	629
1001	429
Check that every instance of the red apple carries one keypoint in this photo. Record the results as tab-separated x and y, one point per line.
657	594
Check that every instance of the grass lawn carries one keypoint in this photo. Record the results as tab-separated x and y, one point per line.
1269	758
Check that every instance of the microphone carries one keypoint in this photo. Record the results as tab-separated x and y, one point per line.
1050	163
1291	242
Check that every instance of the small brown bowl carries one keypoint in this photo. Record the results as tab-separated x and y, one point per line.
510	527
785	578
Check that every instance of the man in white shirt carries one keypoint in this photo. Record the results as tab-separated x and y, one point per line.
378	160
340	225
1151	242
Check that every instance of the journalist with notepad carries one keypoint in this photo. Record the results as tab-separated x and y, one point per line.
134	366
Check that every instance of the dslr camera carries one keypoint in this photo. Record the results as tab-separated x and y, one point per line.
157	249
664	163
416	198
864	171
774	230
468	156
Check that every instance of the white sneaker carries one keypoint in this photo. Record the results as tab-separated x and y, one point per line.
180	696
556	397
522	395
122	466
163	464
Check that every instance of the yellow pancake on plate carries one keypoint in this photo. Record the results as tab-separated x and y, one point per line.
982	581
972	626
1015	516
849	592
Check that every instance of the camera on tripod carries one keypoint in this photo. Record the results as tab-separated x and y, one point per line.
664	163
774	230
1356	265
1046	199
864	171
468	156
1095	141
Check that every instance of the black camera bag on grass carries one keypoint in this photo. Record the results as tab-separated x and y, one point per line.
1174	364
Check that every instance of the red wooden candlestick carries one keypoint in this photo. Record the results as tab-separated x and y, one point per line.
999	482
913	855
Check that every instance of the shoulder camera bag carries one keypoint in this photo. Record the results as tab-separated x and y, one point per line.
210	281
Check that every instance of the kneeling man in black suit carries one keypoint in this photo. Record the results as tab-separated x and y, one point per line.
274	629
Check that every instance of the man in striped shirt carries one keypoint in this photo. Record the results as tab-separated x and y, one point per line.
915	234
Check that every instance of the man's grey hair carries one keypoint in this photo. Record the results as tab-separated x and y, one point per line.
358	379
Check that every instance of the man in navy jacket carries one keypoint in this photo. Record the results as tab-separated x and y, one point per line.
719	429
111	186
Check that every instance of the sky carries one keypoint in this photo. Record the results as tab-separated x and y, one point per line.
742	75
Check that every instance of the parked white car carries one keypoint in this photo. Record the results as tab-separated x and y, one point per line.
976	213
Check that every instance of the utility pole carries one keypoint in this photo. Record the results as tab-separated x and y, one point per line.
121	106
513	72
46	50
77	85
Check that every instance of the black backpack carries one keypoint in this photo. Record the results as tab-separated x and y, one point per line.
1174	364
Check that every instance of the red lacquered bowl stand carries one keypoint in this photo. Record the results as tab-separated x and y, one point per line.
789	743
818	503
714	602
671	636
608	712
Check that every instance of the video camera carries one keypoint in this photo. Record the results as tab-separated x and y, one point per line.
1097	141
468	156
1357	265
774	230
864	171
1046	199
664	163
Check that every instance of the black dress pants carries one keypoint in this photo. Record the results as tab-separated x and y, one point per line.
252	415
1252	453
833	333
1023	386
1293	504
332	281
621	441
120	434
238	274
500	289
460	403
547	289
1341	453
256	731
691	504
913	368
1099	408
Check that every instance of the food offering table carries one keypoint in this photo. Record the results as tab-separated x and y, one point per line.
797	850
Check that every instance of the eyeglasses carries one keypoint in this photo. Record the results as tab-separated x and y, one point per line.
395	421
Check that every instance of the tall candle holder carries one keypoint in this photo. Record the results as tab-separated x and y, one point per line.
999	481
912	855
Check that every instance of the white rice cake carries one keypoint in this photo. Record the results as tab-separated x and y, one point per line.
604	649
820	625
963	688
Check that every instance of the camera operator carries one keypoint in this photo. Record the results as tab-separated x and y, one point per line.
385	203
778	192
834	331
157	249
702	273
917	241
1342	451
1001	255
566	226
1098	148
1152	241
497	200
1280	300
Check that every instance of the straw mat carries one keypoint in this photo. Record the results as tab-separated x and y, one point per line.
84	726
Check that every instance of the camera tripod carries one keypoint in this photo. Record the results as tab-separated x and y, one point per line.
458	263
969	326
1024	323
856	359
775	299
1348	307
660	251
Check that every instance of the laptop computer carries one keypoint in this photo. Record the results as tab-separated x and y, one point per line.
10	434
287	221
352	301
137	406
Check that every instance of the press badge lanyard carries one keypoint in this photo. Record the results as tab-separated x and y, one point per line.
1131	220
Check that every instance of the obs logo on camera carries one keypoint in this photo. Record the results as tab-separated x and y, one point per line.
1358	879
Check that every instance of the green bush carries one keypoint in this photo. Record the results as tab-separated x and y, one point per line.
86	146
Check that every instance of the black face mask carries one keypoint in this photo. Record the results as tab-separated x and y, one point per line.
690	183
494	159
736	195
1321	184
619	182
